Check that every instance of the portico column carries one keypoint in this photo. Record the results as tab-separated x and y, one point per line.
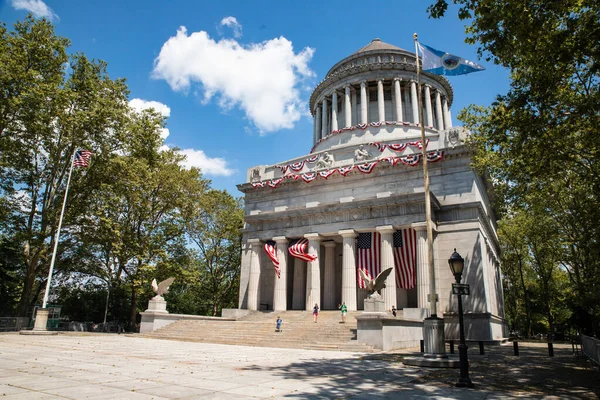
380	100
387	261
324	120
253	284
398	97
299	289
438	111
414	100
422	267
280	294
313	272
428	109
349	268
363	105
347	108
334	108
447	118
329	279
354	120
318	123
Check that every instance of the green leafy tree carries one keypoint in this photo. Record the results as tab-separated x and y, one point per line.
215	231
541	137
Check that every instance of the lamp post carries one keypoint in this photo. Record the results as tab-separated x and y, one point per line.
457	264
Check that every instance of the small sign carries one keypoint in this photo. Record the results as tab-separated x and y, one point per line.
461	289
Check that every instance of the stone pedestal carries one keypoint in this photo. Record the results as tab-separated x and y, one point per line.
39	327
374	305
157	305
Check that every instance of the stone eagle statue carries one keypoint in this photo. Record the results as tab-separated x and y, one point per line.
374	286
163	287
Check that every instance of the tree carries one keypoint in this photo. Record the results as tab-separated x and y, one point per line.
215	231
541	137
45	114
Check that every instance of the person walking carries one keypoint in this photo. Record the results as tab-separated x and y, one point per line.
344	310
394	311
315	312
278	324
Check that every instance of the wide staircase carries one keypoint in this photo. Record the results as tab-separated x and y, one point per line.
258	329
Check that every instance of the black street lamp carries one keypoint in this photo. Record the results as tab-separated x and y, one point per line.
457	264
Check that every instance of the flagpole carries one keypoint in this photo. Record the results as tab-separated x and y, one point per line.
432	290
62	211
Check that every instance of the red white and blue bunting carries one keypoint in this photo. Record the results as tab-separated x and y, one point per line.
410	160
399	147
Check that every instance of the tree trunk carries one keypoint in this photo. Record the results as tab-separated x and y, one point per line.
526	296
25	300
133	309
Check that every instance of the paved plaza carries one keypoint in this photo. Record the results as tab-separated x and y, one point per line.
129	367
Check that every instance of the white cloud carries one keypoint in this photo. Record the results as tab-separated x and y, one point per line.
37	7
209	166
139	105
234	25
262	79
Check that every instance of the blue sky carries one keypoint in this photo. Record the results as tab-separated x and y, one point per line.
234	77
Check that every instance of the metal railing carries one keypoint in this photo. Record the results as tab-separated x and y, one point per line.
591	348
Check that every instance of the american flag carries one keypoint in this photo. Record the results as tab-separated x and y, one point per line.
369	255
271	250
298	250
82	158
405	257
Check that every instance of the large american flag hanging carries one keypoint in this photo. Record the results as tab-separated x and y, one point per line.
271	250
298	250
82	158
369	255
405	257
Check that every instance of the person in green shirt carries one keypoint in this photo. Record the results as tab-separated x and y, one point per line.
344	310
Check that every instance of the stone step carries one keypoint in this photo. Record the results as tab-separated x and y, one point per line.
258	329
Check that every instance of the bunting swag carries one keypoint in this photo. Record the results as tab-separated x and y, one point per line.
369	255
399	147
298	165
271	250
405	258
366	168
298	248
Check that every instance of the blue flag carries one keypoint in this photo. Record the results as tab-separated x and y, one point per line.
442	63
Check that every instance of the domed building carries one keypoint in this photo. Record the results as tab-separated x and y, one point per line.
356	200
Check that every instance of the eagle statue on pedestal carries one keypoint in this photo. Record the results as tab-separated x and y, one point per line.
374	286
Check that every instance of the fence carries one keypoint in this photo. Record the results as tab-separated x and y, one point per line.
13	324
591	348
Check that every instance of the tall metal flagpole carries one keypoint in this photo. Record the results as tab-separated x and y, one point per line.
434	328
62	211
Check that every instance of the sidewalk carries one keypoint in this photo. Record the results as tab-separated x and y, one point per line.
128	367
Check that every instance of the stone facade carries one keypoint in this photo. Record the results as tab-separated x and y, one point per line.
364	175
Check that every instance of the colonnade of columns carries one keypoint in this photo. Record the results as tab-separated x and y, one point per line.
306	289
328	120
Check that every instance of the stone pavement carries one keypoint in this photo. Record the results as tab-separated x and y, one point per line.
129	367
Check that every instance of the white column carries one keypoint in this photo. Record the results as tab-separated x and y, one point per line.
347	108
387	261
313	272
422	268
438	111
324	120
398	99
380	100
447	119
363	107
334	108
349	276
280	294
428	109
414	100
329	278
318	124
253	284
354	110
299	289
